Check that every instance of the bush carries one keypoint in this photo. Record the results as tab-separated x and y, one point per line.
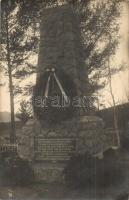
110	170
80	171
14	170
125	141
86	171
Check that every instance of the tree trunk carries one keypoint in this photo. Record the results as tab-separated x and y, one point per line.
12	131
113	101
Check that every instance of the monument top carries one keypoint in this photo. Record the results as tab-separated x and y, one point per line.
61	67
60	44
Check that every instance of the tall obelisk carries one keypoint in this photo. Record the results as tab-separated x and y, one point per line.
60	44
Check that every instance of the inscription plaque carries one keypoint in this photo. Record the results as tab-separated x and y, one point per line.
54	148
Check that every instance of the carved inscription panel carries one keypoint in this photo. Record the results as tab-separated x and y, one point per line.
54	148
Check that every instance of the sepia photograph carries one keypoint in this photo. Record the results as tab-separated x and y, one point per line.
64	99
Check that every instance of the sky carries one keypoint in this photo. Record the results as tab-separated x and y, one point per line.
120	82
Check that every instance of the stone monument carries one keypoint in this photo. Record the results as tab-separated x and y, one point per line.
59	128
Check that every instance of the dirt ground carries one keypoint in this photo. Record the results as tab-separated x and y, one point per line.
60	192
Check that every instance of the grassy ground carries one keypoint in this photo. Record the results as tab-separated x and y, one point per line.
58	191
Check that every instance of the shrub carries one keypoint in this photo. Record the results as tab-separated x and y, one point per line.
110	170
80	171
84	170
14	170
125	141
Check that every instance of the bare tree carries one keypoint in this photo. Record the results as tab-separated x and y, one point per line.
9	69
14	52
113	97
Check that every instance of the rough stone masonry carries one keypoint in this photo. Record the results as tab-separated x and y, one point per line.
60	44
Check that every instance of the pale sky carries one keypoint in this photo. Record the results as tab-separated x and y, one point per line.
120	82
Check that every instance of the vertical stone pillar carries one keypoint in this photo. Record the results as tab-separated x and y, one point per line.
60	44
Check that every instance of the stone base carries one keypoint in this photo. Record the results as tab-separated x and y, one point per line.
48	172
50	147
